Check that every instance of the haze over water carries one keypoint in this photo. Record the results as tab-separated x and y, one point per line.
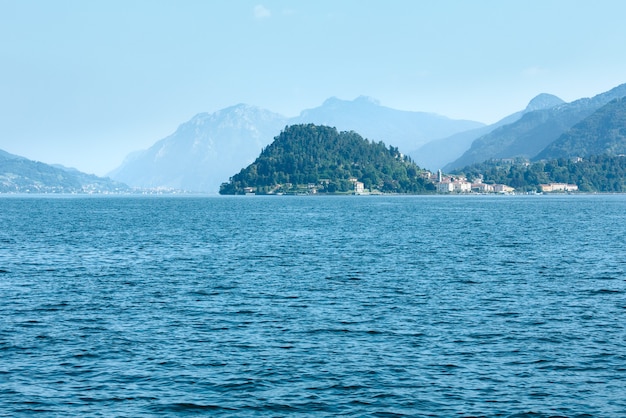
266	306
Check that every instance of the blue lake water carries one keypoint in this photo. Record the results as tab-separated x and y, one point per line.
323	306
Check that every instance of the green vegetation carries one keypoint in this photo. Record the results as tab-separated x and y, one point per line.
604	132
593	174
537	135
319	159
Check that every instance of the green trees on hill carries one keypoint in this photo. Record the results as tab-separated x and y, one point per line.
319	159
311	157
604	132
600	173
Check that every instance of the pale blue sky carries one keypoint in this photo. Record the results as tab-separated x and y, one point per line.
85	82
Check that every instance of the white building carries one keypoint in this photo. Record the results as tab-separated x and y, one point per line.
461	186
482	188
503	188
558	187
445	187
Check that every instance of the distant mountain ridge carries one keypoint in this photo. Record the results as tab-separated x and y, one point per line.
205	151
400	128
534	131
601	133
439	153
21	175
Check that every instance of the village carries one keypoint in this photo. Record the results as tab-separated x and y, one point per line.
444	184
460	184
447	184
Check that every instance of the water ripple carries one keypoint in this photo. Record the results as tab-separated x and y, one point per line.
421	306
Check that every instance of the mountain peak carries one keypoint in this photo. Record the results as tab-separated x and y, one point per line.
238	113
363	100
543	101
367	100
332	101
240	109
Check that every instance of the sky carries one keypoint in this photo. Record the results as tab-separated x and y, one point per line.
85	83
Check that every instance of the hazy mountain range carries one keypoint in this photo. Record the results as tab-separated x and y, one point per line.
439	153
535	131
208	149
403	129
602	132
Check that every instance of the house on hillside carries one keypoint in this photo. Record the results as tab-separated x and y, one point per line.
359	187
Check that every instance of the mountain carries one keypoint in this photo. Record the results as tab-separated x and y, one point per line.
602	133
21	175
438	153
308	158
405	129
206	150
203	152
534	131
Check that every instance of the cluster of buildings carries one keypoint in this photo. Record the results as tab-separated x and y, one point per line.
443	184
458	184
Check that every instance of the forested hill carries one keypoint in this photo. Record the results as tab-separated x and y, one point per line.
318	159
599	173
604	132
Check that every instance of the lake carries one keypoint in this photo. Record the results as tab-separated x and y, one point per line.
317	306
